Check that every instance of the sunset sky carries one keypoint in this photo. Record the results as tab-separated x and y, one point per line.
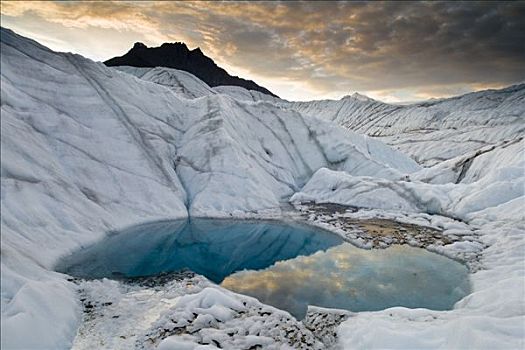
393	51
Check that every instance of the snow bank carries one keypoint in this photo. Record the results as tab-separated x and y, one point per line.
28	321
226	320
483	188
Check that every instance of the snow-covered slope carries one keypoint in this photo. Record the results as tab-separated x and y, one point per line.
434	131
183	83
187	85
430	132
87	149
498	186
247	95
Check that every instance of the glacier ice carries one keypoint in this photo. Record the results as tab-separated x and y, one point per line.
86	149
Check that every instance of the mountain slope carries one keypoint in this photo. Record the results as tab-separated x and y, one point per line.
178	56
431	132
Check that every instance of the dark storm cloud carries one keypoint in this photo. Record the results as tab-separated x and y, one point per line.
369	46
330	46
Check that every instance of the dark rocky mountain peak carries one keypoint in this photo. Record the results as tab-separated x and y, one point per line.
139	45
177	55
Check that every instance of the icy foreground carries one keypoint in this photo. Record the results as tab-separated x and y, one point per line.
87	149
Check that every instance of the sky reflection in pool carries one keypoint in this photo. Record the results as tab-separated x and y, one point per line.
346	277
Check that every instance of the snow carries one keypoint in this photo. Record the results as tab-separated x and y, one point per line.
227	320
188	310
242	94
183	83
87	149
482	187
172	343
431	132
32	308
115	313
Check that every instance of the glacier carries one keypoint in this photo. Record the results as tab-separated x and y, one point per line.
87	149
434	131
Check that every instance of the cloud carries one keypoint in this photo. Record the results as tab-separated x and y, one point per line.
327	48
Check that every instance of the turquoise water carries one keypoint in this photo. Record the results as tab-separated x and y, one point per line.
213	248
285	265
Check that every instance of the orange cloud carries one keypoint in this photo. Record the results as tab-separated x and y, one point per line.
324	48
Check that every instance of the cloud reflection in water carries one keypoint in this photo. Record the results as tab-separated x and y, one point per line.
346	277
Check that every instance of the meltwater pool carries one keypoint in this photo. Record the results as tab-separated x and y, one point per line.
287	265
